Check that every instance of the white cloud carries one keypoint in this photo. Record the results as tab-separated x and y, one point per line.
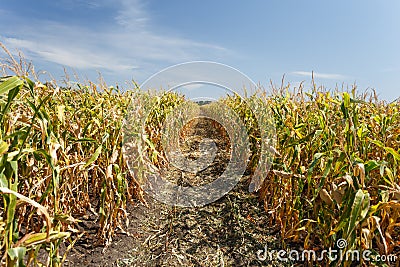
130	42
77	58
132	14
193	86
329	76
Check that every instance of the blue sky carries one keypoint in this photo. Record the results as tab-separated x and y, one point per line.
343	42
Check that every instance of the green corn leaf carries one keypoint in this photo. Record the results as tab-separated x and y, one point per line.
376	142
40	238
10	84
3	180
371	165
322	182
94	157
316	158
3	147
393	152
359	210
17	256
346	99
46	155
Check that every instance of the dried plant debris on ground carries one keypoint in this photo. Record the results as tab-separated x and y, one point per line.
228	232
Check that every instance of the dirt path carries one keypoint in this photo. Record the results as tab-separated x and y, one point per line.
228	232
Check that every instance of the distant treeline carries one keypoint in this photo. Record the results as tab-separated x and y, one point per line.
203	102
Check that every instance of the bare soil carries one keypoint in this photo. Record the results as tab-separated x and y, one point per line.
228	232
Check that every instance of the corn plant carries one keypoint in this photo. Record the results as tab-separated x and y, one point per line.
337	173
61	157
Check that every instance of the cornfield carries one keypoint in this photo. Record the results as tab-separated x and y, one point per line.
335	174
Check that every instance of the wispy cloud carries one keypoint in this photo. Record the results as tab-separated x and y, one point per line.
77	58
193	86
329	76
129	42
132	14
